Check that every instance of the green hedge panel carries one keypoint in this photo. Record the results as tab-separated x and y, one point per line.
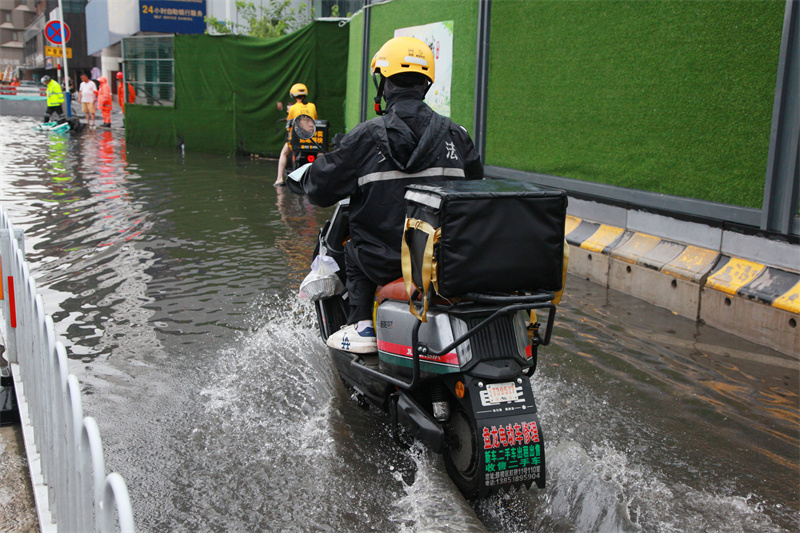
673	97
331	73
353	94
386	18
150	126
227	89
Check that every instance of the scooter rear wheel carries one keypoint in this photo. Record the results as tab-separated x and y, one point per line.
462	457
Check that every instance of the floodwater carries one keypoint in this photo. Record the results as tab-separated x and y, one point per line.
172	280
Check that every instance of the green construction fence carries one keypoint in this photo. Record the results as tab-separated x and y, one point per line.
667	96
385	18
227	89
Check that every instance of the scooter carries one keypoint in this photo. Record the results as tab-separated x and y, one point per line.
305	150
459	382
62	125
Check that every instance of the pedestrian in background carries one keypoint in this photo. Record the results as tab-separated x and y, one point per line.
88	96
55	97
121	92
104	101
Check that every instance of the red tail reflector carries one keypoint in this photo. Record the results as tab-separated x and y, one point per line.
12	302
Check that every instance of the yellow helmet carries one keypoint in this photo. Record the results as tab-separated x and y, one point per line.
298	89
404	54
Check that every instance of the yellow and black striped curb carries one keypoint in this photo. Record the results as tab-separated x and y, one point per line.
764	284
710	268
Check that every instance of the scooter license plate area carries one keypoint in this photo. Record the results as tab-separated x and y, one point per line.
499	393
500	399
509	433
513	451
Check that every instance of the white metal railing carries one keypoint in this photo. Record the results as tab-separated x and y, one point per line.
64	447
23	90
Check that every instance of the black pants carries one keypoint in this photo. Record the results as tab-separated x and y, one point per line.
53	109
364	274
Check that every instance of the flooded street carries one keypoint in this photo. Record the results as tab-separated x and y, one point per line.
172	279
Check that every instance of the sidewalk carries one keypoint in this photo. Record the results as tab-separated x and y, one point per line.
16	493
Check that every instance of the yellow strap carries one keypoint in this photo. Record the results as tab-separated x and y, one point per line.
405	260
428	265
560	293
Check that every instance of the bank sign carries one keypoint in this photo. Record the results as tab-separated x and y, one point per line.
172	16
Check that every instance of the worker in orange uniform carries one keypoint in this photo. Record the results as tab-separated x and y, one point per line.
104	101
121	92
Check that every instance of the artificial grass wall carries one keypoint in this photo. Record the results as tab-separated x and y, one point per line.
385	18
352	114
227	89
668	96
147	125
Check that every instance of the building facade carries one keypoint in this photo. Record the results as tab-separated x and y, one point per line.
15	16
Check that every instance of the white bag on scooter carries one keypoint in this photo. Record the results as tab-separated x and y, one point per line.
322	281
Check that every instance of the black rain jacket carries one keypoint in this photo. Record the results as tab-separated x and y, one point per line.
377	159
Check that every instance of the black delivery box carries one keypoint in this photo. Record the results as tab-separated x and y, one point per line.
497	236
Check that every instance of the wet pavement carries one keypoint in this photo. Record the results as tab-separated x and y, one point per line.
16	494
172	279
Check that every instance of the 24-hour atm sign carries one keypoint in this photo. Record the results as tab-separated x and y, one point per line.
172	16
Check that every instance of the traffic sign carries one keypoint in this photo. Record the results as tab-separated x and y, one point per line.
55	51
52	31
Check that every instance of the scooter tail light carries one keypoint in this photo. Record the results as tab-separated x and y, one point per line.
311	158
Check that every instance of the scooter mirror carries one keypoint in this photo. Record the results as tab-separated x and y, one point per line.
304	127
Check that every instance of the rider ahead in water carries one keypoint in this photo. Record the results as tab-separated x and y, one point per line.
301	106
409	143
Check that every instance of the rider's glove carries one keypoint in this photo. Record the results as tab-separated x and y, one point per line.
295	181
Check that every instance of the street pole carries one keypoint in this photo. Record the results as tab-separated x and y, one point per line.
64	57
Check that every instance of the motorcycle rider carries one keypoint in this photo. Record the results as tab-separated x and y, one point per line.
300	107
409	143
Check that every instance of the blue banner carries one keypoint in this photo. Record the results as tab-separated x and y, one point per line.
172	16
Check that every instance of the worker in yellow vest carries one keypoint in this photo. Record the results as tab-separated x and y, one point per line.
300	107
55	97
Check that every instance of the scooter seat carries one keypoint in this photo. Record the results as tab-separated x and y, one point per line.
396	290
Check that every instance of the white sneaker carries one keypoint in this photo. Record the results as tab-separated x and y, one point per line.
348	339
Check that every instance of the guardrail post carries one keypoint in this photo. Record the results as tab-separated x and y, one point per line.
92	464
6	271
75	486
61	415
9	271
116	492
50	386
